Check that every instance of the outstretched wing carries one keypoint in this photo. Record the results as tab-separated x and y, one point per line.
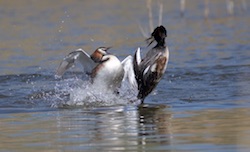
79	55
136	63
129	74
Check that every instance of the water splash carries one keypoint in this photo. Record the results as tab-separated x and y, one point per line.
76	92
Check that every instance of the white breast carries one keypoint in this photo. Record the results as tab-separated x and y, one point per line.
110	74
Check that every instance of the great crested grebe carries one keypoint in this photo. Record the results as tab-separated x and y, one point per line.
103	68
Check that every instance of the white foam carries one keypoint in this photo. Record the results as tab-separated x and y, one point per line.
75	92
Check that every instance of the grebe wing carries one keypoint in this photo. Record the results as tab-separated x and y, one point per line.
79	55
129	74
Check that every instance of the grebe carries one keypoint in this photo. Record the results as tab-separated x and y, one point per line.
104	69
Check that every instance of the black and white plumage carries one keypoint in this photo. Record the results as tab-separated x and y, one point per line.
149	70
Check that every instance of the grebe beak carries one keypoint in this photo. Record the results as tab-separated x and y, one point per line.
107	48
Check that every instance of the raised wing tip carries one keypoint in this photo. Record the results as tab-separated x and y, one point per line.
59	73
138	56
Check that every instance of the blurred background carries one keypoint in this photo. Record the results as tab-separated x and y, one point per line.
35	34
201	104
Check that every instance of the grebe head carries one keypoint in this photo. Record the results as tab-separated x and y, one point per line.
99	53
159	34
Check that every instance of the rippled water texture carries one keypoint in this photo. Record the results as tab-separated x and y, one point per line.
201	104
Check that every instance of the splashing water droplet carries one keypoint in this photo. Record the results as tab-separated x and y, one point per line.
76	92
